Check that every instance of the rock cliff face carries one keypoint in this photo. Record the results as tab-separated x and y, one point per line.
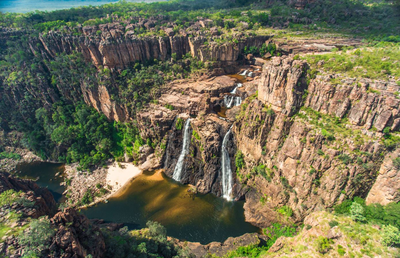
386	188
44	203
308	146
75	235
115	48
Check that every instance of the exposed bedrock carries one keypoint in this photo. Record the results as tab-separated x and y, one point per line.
115	48
291	160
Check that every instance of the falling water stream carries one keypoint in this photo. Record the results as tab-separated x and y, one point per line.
185	151
231	99
227	181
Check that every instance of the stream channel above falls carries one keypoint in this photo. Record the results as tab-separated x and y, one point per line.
154	196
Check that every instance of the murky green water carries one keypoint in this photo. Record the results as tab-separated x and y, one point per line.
153	196
44	174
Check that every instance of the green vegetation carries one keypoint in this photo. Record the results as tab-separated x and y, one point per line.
239	160
285	211
373	62
151	242
373	213
323	244
37	237
9	197
9	155
179	124
273	233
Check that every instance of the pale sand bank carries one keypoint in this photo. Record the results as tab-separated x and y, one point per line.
120	174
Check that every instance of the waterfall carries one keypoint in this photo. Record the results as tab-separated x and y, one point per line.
231	100
250	74
244	73
227	181
185	151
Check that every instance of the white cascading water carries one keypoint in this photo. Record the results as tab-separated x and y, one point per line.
243	73
231	100
185	151
227	181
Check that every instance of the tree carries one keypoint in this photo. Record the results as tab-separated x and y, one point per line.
390	235
357	212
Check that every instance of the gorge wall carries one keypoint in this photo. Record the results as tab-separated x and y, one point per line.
311	145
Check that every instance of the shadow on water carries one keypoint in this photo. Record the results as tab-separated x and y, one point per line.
45	174
153	196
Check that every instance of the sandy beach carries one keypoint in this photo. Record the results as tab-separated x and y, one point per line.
120	174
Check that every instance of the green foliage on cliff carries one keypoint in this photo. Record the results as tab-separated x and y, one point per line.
9	197
179	123
373	213
239	160
151	242
273	233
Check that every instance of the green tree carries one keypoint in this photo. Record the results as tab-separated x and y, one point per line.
390	235
357	212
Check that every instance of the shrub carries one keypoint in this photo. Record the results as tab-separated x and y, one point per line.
357	212
9	197
396	163
333	223
87	198
390	235
286	211
179	124
320	152
341	250
324	244
37	238
9	155
346	159
156	230
239	160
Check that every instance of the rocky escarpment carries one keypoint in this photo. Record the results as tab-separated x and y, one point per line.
43	200
118	47
307	145
75	235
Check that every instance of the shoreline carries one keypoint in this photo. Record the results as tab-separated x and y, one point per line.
98	185
119	181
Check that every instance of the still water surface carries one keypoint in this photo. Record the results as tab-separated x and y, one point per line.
23	6
46	175
153	196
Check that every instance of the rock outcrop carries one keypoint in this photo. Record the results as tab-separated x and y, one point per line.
44	203
307	146
386	188
115	48
221	249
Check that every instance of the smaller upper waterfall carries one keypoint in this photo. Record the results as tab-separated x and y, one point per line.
227	181
232	100
185	151
243	73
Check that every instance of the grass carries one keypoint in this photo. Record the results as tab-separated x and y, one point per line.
337	128
372	62
9	197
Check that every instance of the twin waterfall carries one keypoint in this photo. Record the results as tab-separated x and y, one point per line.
185	151
230	100
227	181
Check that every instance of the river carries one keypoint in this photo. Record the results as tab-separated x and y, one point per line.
24	6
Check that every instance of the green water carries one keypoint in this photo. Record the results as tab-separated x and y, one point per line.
44	174
153	196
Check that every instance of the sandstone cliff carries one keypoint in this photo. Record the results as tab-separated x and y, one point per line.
307	146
